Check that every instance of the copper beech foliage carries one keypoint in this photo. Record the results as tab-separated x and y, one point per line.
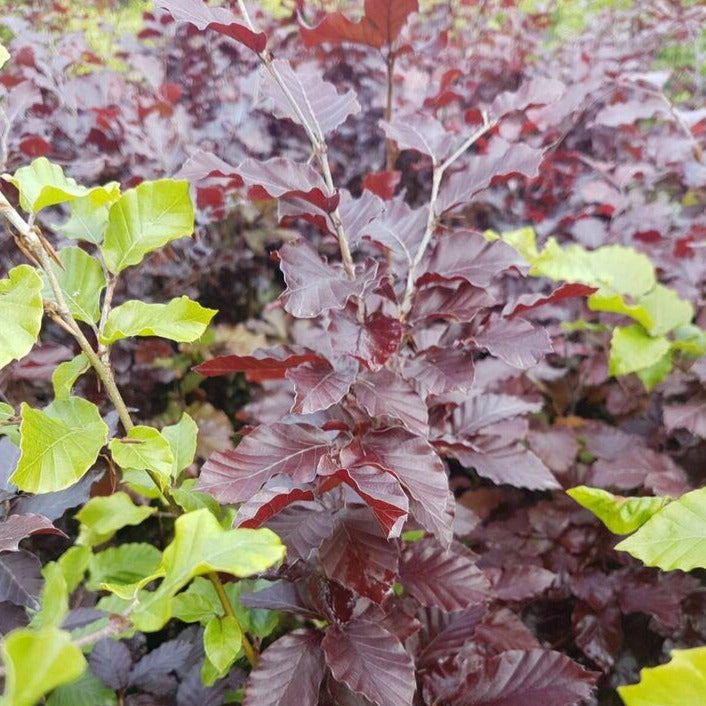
410	437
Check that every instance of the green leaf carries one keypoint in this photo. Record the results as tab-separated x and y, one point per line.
144	449
201	545
181	320
74	562
37	661
144	219
604	300
656	373
43	184
4	56
141	483
690	340
673	538
621	515
103	516
523	240
222	638
632	349
88	220
87	690
58	445
189	499
680	682
665	309
21	312
7	425
182	438
125	564
81	280
198	603
54	602
65	375
615	268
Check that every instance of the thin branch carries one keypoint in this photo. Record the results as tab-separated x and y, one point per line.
437	176
318	144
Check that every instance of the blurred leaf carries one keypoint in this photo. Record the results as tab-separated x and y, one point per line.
632	349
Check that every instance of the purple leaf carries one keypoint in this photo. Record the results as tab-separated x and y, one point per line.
276	494
290	449
321	106
519	677
110	661
219	19
313	285
302	528
381	492
289	671
20	580
447	579
421	132
255	369
469	256
388	396
354	653
537	91
151	673
439	371
318	385
502	160
525	302
515	341
686	415
418	468
357	556
458	301
17	527
479	413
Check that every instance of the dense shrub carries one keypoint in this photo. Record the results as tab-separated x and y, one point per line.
489	242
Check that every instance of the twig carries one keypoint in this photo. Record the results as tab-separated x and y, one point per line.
318	144
437	175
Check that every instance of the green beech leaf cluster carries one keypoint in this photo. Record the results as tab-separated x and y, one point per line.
626	284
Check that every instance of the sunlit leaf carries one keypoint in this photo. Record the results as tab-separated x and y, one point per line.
182	438
102	517
222	638
632	349
59	445
144	449
67	373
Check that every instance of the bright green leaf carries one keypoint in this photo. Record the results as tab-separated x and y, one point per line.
65	375
4	56
43	184
81	280
7	425
87	690
666	310
201	545
37	661
59	445
54	601
524	241
188	499
89	219
632	349
144	449
181	320
21	312
141	483
146	218
222	638
680	682
656	373
675	537
182	438
621	515
690	340
74	562
124	564
103	516
604	300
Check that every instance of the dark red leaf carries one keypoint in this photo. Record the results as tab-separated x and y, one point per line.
355	652
219	19
458	301
686	415
255	369
532	301
274	496
16	527
319	103
289	671
479	413
515	341
380	26
502	160
381	492
382	184
313	285
318	385
357	556
290	449
35	146
302	528
389	397
599	634
447	579
520	582
418	468
441	370
468	255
